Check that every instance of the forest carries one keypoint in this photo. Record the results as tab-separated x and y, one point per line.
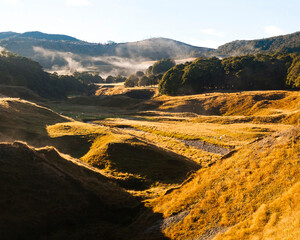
249	72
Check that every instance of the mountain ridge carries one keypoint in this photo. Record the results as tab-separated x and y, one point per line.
66	54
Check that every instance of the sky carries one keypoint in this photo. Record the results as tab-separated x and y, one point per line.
208	23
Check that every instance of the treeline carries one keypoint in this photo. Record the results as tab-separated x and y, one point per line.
21	71
249	72
152	75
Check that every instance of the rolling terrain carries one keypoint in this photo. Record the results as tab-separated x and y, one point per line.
66	54
62	53
115	166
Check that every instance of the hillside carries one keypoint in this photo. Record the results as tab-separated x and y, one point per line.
17	118
254	193
20	76
289	43
59	52
45	195
65	54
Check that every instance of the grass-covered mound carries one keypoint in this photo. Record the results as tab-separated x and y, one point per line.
44	194
252	193
27	121
19	92
140	163
23	120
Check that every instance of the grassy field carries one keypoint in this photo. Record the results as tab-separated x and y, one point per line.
208	166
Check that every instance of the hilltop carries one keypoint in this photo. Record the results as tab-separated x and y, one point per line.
38	35
59	52
289	43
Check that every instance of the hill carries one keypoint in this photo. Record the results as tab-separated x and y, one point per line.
7	34
45	36
135	164
253	193
46	195
59	52
17	118
289	43
158	48
28	78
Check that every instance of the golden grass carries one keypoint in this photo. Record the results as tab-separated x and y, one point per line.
76	128
236	134
233	189
254	193
240	103
125	158
199	156
22	120
278	220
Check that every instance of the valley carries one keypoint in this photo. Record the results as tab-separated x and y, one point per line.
217	165
148	140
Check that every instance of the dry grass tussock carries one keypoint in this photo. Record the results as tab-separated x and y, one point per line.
247	188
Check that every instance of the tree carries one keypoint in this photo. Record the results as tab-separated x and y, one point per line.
110	79
131	81
144	81
171	81
293	77
203	74
139	74
160	66
120	78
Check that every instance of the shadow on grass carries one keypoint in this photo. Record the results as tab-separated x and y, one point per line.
46	197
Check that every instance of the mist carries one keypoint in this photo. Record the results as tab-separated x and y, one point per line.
68	63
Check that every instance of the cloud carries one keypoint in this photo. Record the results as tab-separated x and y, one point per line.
273	31
212	32
13	2
77	3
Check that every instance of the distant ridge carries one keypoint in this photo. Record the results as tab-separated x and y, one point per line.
65	54
45	36
4	35
38	35
284	43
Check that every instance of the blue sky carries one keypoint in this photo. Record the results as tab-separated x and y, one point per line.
207	23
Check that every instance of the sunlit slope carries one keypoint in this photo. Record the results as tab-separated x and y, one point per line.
259	106
278	220
252	187
124	156
23	120
27	121
45	194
